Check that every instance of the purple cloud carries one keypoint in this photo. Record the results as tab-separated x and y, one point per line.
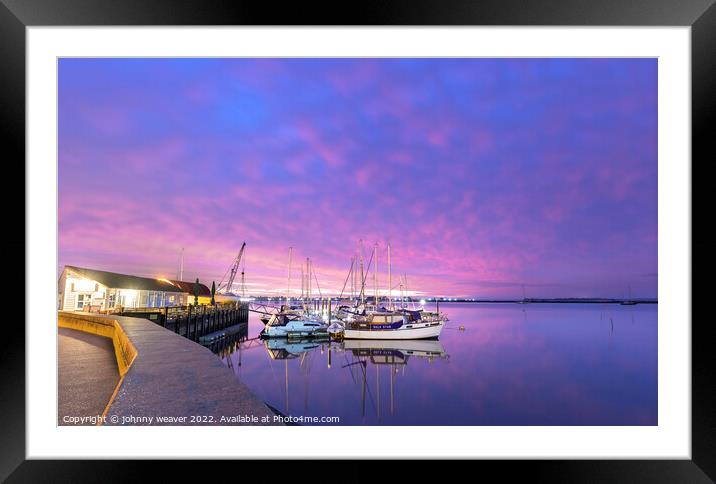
484	174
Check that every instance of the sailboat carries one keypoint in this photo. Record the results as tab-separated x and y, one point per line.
293	322
365	321
400	324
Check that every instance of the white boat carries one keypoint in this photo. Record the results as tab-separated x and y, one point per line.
291	321
374	322
293	326
402	325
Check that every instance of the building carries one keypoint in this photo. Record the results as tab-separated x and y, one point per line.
82	289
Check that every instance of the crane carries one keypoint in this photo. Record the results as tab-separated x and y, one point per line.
232	270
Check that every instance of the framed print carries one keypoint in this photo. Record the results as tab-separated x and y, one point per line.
454	231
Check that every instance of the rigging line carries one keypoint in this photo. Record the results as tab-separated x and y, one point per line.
350	271
367	271
350	367
367	387
318	286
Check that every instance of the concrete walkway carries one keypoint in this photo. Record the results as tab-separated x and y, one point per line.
87	375
171	380
180	382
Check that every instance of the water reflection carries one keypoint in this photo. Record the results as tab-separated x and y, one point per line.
284	349
357	356
385	352
535	364
231	342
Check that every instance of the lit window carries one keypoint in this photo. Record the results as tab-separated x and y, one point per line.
83	300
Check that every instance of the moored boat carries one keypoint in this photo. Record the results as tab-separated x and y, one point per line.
293	326
400	324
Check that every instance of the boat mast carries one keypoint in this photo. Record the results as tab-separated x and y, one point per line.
390	282
288	289
308	283
362	276
356	275
375	274
353	278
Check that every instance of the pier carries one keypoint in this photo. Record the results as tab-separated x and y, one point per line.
131	371
193	322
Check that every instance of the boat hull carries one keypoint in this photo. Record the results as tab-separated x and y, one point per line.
295	329
422	332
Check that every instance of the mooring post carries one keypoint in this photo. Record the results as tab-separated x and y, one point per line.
188	321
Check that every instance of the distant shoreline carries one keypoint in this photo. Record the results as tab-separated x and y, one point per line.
552	301
626	302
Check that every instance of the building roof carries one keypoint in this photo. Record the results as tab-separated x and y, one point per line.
188	287
124	281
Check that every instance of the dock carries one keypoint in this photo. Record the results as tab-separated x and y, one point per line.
193	322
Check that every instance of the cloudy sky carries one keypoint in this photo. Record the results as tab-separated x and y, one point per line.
486	175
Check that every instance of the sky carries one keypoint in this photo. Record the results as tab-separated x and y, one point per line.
489	177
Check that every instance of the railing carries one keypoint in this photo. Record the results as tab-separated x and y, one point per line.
191	321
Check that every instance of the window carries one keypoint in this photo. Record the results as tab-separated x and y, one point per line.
83	300
110	301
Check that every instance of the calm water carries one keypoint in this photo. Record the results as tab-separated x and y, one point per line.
534	364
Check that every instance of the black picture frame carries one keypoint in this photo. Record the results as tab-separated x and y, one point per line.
700	15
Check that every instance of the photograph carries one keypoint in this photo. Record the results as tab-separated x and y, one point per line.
357	241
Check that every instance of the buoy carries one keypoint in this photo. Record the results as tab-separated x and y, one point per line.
461	328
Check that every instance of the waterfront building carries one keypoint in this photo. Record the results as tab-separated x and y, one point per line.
82	289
